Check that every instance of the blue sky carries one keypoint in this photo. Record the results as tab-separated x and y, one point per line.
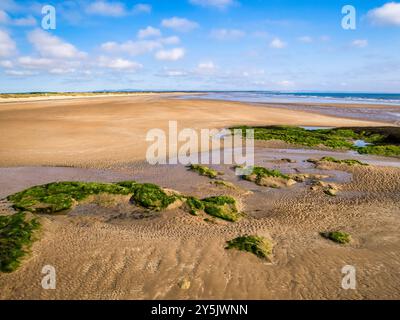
282	45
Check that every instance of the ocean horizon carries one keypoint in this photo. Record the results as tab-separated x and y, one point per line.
303	97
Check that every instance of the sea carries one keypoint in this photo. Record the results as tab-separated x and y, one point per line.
389	112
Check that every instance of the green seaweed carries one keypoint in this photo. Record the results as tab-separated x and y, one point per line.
204	171
226	184
337	236
194	205
151	196
380	150
259	173
223	207
259	246
262	172
60	196
386	140
16	237
349	162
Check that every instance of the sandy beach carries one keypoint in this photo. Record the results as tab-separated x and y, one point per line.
112	250
103	131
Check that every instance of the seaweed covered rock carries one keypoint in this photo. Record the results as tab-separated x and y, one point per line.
223	207
349	162
337	236
61	196
259	246
330	189
269	178
151	196
205	171
383	140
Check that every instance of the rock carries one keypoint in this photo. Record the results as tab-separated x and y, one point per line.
184	284
288	160
302	177
290	182
331	192
274	182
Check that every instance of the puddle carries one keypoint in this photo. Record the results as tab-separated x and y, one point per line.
361	143
316	128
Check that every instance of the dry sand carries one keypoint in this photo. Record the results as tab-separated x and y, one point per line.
109	251
99	132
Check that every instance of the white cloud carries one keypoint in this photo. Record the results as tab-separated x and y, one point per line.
19	73
173	73
170	55
6	64
285	83
119	64
219	4
104	8
7	45
170	40
51	46
52	66
149	32
227	34
61	71
4	18
133	48
25	22
388	14
29	62
9	5
206	68
179	24
305	39
28	21
360	43
142	8
277	44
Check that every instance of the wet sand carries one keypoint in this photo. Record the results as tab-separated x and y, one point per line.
108	253
105	250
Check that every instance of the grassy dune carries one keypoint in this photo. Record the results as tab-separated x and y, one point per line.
64	94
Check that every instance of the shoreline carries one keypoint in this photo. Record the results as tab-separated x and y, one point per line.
86	96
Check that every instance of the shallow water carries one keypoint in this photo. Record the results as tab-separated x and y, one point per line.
390	111
16	179
316	128
361	143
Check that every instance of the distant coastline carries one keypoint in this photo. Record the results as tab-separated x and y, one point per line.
242	96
